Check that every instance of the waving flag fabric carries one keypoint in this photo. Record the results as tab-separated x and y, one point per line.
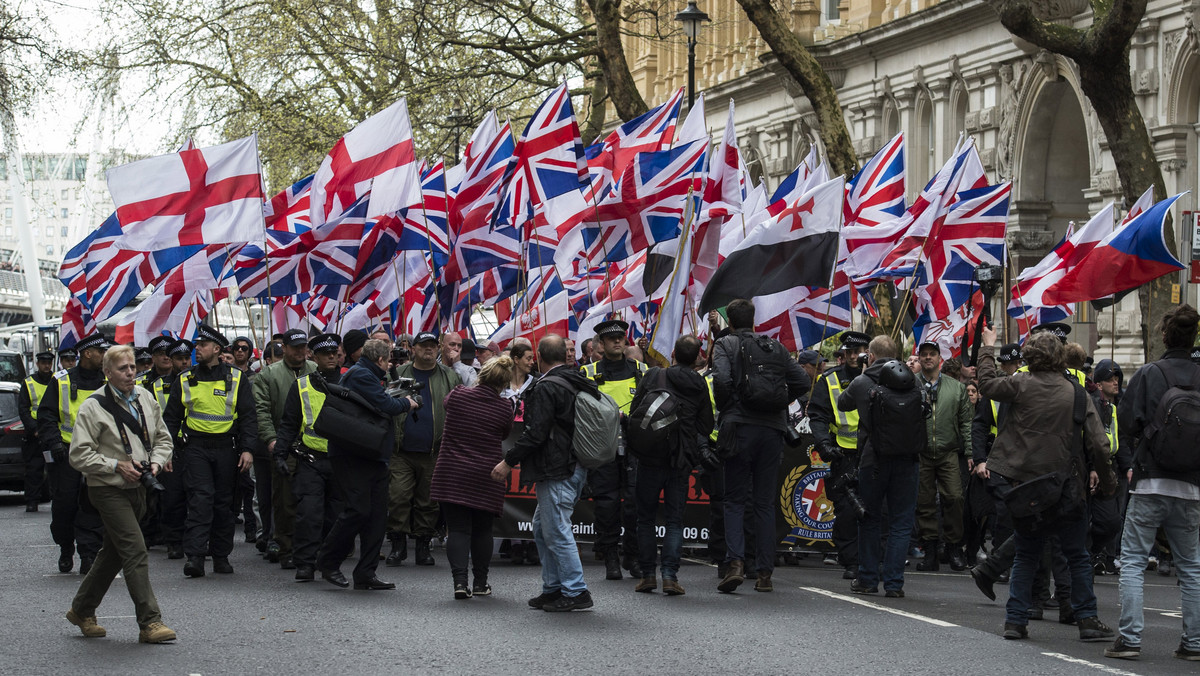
649	132
288	211
876	193
199	196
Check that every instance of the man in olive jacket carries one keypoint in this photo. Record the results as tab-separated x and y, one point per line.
410	510
949	435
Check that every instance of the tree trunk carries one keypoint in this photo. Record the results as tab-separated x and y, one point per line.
622	90
811	77
598	100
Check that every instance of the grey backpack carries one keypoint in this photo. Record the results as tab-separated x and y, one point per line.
597	425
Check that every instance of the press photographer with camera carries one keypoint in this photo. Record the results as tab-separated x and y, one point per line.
119	444
891	435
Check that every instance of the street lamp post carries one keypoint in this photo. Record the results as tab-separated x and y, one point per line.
691	18
458	120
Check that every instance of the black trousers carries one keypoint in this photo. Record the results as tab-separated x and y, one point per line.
35	471
713	483
364	488
172	504
469	540
262	488
318	505
845	522
614	505
71	527
209	476
243	502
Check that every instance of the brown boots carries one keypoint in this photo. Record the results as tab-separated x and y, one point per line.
734	578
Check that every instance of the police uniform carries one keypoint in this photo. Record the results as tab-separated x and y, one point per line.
1106	512
172	500
27	404
59	404
835	428
618	379
212	407
317	500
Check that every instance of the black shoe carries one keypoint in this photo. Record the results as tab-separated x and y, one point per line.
251	537
848	574
894	593
305	573
31	507
1066	614
566	604
374	584
930	562
174	551
461	591
66	561
1003	579
1185	653
261	544
1122	650
335	578
859	588
629	563
1092	630
273	551
221	565
983	582
1015	632
286	562
540	601
399	552
612	566
85	564
958	560
423	556
194	566
1036	613
481	589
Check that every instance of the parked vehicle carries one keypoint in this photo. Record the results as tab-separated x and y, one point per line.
12	435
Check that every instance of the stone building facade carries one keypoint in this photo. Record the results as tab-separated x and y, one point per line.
935	70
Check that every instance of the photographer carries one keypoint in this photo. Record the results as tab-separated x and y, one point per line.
889	447
120	442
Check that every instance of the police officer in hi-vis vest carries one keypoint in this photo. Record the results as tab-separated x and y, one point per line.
210	415
171	357
836	434
71	526
317	501
27	406
618	377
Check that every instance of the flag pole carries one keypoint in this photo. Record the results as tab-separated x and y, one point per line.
690	214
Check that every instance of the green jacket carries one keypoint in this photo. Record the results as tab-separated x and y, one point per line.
271	387
441	382
949	428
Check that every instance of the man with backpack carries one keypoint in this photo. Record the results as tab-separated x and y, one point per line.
669	417
754	380
614	484
892	411
1165	489
548	458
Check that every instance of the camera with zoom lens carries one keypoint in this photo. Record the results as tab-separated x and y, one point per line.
406	387
847	484
148	480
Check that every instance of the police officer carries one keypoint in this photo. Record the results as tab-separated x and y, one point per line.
618	377
177	357
68	358
71	526
212	407
160	366
836	434
1060	331
143	362
271	387
317	501
27	406
1106	512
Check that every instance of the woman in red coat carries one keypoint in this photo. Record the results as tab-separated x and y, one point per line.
477	420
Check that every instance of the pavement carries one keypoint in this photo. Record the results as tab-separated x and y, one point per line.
259	620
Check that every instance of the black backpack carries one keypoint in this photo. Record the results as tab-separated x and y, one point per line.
764	374
1171	437
652	432
898	412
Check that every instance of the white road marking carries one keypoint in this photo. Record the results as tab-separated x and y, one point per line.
49	545
1099	667
852	599
116	617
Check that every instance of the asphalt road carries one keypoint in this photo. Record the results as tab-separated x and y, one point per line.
259	620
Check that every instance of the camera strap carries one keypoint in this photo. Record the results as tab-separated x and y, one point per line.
125	419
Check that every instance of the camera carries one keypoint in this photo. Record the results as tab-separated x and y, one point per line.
406	387
400	356
847	485
148	480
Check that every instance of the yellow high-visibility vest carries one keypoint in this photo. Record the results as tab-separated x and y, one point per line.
621	391
712	397
68	406
210	406
36	391
844	426
311	401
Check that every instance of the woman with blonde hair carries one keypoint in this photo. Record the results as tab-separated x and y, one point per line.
477	421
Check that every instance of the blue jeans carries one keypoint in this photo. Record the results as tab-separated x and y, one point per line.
561	567
1181	520
753	473
1072	536
893	480
673	484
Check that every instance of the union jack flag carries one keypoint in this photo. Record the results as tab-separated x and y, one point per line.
649	132
489	156
288	211
876	193
76	323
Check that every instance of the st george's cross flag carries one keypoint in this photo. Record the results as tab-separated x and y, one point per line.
195	196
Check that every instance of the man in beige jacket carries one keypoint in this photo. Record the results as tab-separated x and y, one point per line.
119	428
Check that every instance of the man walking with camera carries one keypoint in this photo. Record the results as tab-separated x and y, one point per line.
120	443
753	416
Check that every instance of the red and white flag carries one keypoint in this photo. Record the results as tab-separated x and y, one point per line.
195	196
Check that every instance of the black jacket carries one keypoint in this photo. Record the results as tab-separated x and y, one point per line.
857	397
367	380
727	373
695	417
1138	409
245	426
49	438
1122	460
544	449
